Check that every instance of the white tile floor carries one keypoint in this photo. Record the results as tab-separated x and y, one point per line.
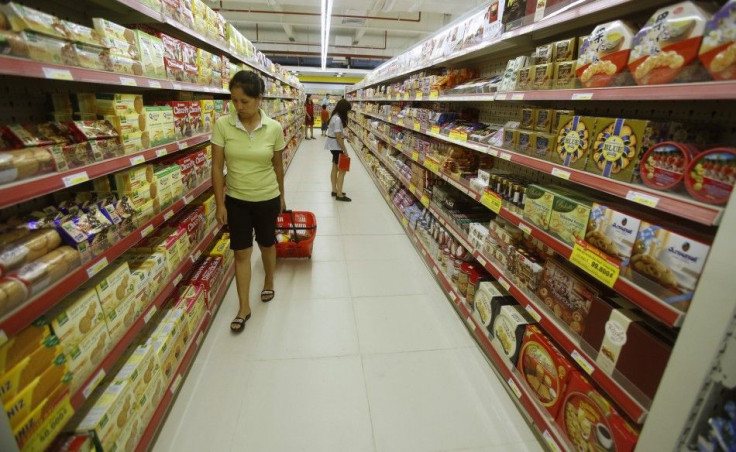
359	351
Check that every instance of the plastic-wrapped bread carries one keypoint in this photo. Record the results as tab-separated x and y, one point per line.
27	249
25	163
12	294
43	272
23	18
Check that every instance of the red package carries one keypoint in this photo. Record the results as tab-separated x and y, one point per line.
200	165
591	422
181	117
544	368
195	223
171	8
195	118
172	47
210	278
16	136
186	166
81	131
188	54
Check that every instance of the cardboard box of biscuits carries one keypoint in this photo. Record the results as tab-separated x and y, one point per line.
86	356
120	319
24	344
113	285
139	368
16	378
109	413
54	379
507	329
76	316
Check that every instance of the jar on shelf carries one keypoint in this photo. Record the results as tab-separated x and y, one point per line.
455	276
463	279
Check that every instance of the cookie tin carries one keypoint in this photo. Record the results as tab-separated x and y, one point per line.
507	331
573	141
718	50
616	148
711	175
663	165
667	43
604	54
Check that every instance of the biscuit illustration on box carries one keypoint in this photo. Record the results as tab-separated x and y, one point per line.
123	416
573	140
718	51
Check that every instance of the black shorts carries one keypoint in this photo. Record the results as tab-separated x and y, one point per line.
324	127
243	217
335	156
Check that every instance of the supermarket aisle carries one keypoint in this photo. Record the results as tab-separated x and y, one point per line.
359	350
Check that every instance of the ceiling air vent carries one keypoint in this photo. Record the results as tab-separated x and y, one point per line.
353	21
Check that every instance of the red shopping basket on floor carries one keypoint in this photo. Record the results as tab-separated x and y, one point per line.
295	233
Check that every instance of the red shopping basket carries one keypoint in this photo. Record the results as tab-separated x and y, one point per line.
295	233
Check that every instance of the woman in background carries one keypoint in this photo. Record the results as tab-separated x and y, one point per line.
309	117
251	197
336	145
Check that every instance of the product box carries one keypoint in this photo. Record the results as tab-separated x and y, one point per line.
192	301
110	30
612	231
139	369
15	379
524	144
127	124
573	141
76	316
488	293
152	54
165	345
526	268
120	319
154	392
210	278
604	54
667	264
113	285
131	179
543	76
510	139
538	206
195	118
617	147
557	117
542	119
668	43
207	108
23	18
143	293
543	145
507	330
569	218
544	368
526	120
35	424
35	392
525	78
109	414
18	347
118	104
564	75
88	354
564	50
591	422
718	50
567	295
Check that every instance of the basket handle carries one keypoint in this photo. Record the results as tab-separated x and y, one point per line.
293	225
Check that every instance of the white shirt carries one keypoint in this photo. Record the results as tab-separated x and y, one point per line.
335	127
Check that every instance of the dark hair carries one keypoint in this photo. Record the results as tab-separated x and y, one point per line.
341	109
251	84
324	107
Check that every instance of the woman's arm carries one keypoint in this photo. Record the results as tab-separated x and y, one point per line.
278	167
218	182
341	141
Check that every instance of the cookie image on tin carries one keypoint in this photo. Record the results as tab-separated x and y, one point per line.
573	141
614	148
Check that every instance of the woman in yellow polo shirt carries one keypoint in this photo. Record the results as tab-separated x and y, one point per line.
252	195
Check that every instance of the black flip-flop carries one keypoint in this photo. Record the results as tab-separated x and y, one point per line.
240	322
334	194
267	295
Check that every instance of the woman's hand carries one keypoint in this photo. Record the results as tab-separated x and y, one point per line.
221	214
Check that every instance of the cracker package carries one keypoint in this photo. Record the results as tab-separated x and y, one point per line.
152	54
591	422
542	146
109	414
23	18
542	119
573	141
667	264
526	139
564	75
488	294
569	218
564	50
16	378
718	50
76	316
543	76
525	78
667	43
544	368
527	118
604	54
612	231
538	206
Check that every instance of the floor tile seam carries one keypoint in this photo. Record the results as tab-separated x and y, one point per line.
299	358
403	352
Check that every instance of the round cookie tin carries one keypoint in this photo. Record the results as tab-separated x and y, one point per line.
585	423
711	175
663	165
540	372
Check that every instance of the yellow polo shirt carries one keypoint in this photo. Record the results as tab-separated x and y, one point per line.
250	173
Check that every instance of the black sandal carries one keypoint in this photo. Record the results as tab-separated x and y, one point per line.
342	198
239	324
334	194
267	295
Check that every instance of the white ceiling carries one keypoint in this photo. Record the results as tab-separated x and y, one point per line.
381	28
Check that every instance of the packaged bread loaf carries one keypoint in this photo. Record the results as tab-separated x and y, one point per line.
27	249
24	163
83	35
48	269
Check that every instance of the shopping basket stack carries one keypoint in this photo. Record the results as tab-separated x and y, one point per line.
295	233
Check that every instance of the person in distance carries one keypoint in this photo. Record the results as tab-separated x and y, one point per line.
336	145
309	118
325	116
251	196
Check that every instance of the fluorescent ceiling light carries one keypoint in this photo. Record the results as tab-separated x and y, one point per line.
326	22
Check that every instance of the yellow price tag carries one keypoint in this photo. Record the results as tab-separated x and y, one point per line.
419	95
435	129
434	94
406	96
399	145
595	263
415	156
400	121
432	166
405	222
425	201
412	188
57	74
460	136
492	201
417	126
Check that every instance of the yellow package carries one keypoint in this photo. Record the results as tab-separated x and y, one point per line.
113	285
127	124
76	316
38	390
23	344
118	104
109	414
25	371
139	369
85	357
120	319
127	181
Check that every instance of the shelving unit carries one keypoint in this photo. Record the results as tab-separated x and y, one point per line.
693	377
23	73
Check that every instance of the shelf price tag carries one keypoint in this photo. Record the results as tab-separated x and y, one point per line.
533	312
642	198
176	86
551	441
405	222
582	96
154	84
434	94
93	383
97	267
419	95
505	284
147	230
492	201
187	199
161	152
514	388
412	188
406	96
526	229
425	201
168	215
75	179
415	156
501	96
149	314
417	126
504	156
127	81
493	152
57	74
176	383
459	136
470	323
582	362
517	96
562	174
595	263
178	279
481	261
432	166
137	160
435	129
